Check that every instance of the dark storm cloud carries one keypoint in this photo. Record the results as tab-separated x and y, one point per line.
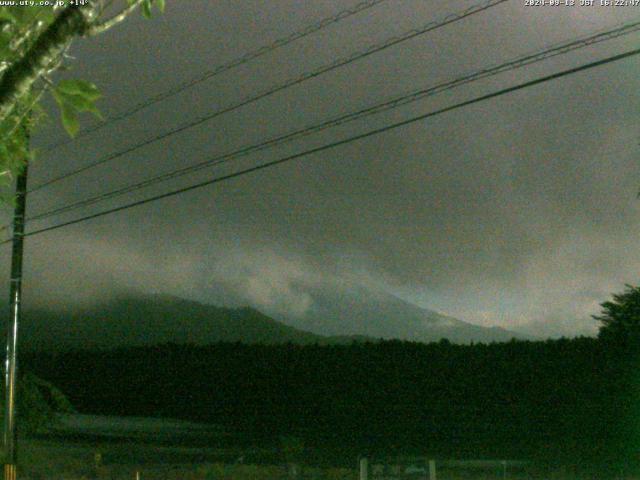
513	212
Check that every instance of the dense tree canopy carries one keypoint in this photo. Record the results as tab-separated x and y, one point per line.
554	401
620	319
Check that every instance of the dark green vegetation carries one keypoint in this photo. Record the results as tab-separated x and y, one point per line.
39	403
620	320
559	402
562	401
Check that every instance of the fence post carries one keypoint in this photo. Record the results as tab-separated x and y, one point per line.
432	470
364	468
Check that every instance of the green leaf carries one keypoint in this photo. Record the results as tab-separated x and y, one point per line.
160	5
81	88
24	15
7	199
6	15
47	15
81	104
70	119
73	97
146	8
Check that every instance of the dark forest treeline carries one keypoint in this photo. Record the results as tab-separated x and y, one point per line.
564	400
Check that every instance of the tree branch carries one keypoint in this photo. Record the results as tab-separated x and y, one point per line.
102	27
20	76
33	28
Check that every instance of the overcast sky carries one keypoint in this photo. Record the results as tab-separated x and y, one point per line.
519	212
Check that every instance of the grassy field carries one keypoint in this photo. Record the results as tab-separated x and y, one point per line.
42	459
47	459
92	447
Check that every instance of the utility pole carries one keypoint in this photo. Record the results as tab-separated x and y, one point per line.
10	436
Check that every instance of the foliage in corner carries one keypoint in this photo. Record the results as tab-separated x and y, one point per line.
34	41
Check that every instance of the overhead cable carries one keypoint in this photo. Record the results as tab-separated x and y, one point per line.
449	19
519	62
335	144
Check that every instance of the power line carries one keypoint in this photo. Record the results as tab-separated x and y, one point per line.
617	151
519	62
345	141
280	87
230	65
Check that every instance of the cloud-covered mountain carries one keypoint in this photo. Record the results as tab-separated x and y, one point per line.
356	310
333	317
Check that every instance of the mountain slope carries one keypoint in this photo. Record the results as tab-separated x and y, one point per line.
355	310
147	320
335	317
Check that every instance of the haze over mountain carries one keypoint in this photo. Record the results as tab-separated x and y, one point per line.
357	310
332	318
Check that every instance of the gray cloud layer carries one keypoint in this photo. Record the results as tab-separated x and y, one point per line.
518	212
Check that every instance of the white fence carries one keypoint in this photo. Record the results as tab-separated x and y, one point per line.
425	468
